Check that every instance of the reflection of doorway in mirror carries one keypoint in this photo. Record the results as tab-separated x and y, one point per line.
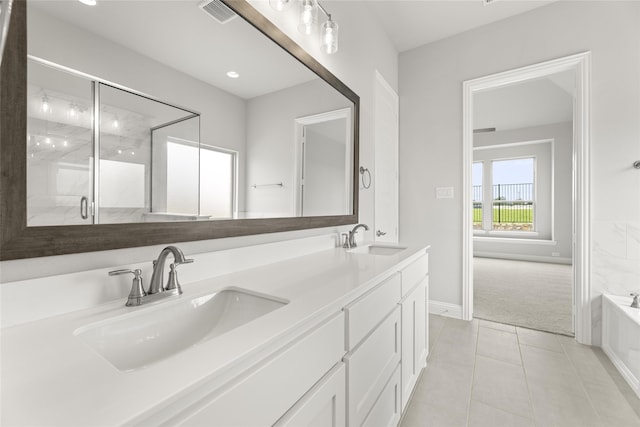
324	164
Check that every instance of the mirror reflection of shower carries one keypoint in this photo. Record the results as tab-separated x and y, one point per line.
141	162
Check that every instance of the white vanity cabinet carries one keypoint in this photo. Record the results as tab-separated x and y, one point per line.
415	340
260	396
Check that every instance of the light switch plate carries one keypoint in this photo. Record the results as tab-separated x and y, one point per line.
444	192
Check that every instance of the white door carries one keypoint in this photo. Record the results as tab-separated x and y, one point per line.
386	161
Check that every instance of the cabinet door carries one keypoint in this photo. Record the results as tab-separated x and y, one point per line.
370	366
386	411
322	406
414	339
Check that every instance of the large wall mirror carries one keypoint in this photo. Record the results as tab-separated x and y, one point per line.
136	123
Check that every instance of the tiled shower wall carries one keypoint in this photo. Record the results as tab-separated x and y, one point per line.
615	264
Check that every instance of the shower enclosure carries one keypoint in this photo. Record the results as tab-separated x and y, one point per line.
99	153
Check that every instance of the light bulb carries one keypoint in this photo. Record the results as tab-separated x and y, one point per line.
65	143
280	5
308	16
45	107
47	140
73	111
330	36
115	124
119	151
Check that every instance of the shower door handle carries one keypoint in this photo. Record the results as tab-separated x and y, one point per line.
84	207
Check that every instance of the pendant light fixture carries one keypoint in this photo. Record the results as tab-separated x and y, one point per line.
308	20
329	36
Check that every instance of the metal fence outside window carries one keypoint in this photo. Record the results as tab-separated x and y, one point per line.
512	207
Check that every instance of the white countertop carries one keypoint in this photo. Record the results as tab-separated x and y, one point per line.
50	377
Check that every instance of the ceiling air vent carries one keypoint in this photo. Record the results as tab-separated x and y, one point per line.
218	10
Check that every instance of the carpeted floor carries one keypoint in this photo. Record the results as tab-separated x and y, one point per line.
534	295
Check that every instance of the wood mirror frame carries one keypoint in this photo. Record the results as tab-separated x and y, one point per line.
19	241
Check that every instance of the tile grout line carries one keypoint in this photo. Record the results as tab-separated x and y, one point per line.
473	373
526	381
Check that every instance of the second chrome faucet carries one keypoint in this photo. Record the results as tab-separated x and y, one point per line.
138	295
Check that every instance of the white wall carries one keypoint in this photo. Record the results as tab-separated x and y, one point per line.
271	138
431	132
353	64
556	230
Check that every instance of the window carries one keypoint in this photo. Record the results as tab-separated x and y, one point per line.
512	198
477	173
217	182
508	190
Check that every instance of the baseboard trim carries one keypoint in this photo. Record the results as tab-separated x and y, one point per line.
519	257
445	309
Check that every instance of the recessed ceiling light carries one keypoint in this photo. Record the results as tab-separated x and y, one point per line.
233	74
88	2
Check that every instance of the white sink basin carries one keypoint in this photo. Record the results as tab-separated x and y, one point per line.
153	333
378	249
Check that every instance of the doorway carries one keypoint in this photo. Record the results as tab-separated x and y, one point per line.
578	67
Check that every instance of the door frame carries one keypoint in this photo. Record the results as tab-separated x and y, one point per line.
581	64
299	141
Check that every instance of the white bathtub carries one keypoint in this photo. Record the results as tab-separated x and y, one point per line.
621	337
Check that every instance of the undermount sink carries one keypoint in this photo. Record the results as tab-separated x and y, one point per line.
378	249
154	333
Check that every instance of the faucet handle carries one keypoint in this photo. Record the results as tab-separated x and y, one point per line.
137	290
172	283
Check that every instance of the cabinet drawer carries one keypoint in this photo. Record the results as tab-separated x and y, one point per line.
386	411
370	366
414	273
322	406
263	394
366	312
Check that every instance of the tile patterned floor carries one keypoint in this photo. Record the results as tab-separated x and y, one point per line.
483	373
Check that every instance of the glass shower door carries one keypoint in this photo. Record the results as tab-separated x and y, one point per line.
59	147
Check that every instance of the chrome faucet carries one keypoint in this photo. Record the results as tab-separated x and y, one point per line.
155	286
138	296
351	239
635	303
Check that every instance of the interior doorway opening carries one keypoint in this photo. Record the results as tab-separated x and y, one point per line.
541	232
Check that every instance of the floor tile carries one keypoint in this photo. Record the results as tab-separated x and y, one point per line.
547	367
421	414
444	382
475	378
498	326
435	327
553	406
462	353
483	415
539	339
587	364
611	406
499	345
501	385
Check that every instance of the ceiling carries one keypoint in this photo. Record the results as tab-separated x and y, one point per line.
263	67
413	23
180	35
